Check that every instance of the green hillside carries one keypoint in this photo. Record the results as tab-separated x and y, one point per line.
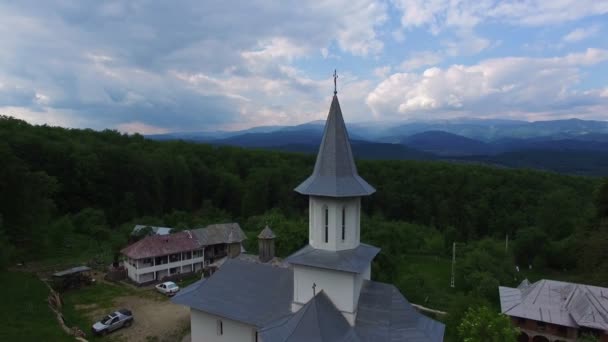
68	194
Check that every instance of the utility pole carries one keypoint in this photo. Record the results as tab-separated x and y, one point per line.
507	243
453	263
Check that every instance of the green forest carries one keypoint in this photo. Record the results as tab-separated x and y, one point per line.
67	193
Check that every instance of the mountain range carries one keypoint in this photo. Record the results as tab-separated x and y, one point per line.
569	146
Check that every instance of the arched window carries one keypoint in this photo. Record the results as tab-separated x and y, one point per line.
343	223
326	224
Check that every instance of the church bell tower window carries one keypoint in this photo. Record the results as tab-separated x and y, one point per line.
326	224
343	223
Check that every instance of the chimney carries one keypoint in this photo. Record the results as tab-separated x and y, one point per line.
266	244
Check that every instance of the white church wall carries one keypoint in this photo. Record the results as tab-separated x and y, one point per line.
204	327
352	206
338	286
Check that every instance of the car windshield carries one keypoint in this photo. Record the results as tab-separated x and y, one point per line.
170	286
106	320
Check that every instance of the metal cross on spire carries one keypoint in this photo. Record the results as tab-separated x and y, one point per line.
335	82
314	289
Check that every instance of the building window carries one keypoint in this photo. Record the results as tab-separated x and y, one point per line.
343	223
326	224
220	327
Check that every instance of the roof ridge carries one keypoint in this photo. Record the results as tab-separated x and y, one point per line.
306	307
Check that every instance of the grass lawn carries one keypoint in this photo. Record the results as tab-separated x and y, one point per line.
184	282
24	308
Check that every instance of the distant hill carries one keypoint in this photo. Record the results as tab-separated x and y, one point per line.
306	136
486	130
577	162
567	146
446	144
365	150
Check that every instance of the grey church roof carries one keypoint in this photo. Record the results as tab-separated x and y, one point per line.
318	320
251	293
557	302
261	295
266	234
335	173
354	260
385	315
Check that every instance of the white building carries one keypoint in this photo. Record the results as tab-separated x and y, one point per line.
155	257
326	293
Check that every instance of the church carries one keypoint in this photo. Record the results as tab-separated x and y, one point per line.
324	291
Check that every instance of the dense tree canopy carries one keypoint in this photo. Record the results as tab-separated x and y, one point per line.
481	324
66	191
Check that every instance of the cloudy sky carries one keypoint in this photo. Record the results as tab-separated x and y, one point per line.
158	66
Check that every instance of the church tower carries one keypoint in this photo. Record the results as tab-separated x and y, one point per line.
334	260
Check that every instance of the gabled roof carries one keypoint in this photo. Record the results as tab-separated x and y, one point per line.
335	173
355	260
266	234
251	293
557	302
318	320
385	315
261	295
219	233
157	245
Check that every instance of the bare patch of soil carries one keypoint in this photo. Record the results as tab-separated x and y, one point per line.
153	318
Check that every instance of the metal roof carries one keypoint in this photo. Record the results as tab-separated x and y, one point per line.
251	293
261	295
557	302
335	173
156	230
384	314
266	234
355	260
219	233
317	320
158	245
73	270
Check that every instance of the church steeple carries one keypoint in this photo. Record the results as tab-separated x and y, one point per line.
335	260
335	173
335	188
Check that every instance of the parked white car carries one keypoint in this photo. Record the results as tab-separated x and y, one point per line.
168	288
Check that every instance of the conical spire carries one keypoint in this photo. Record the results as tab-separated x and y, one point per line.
335	173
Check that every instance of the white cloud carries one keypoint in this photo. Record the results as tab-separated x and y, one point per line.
493	87
436	15
357	33
581	33
420	59
382	72
178	66
466	43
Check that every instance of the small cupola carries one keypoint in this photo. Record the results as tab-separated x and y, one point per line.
266	244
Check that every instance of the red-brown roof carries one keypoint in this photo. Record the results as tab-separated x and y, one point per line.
158	245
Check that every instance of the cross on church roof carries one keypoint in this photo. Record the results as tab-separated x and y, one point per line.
335	82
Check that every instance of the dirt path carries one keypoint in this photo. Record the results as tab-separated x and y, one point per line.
155	320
